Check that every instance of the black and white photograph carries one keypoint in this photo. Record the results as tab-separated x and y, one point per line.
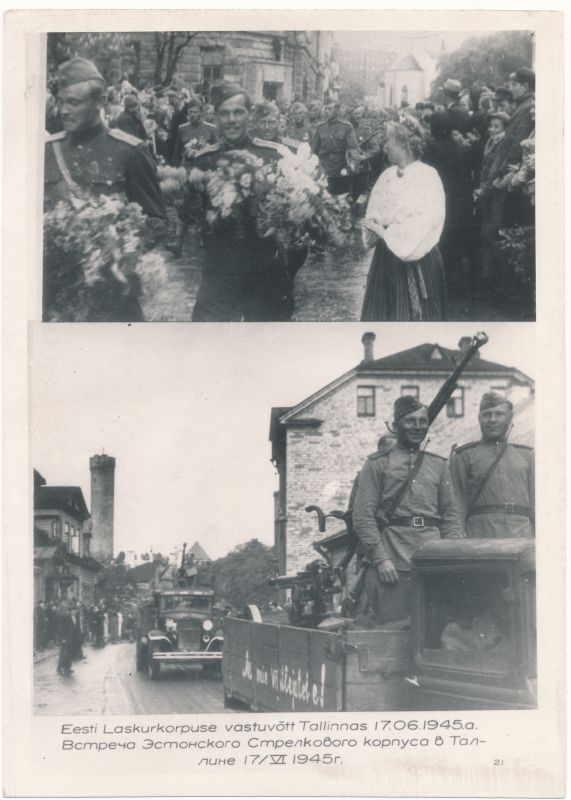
268	176
276	559
350	532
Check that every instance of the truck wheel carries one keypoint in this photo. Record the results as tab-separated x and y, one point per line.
140	658
153	668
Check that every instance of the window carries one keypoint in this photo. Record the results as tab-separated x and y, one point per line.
75	540
413	391
66	533
212	73
365	401
455	407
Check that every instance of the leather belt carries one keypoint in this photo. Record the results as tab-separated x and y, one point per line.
499	508
416	522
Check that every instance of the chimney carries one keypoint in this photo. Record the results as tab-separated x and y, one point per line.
368	340
464	346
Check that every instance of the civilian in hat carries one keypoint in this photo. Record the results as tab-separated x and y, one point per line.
244	277
404	222
193	135
493	478
503	100
426	510
491	200
452	91
89	159
522	120
130	119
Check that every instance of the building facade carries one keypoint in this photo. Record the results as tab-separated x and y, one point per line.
271	65
64	566
319	445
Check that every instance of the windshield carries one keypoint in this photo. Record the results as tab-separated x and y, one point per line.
186	602
468	621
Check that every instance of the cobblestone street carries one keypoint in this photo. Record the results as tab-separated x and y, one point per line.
329	288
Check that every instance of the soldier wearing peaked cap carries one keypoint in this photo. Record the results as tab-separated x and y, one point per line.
332	141
87	158
194	135
493	479
404	499
244	277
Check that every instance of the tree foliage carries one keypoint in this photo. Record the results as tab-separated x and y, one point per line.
169	47
240	578
105	49
490	59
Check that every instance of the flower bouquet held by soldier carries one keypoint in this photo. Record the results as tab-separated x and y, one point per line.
404	221
257	202
404	499
494	479
103	209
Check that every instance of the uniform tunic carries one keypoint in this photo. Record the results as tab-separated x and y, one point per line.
243	276
331	141
101	161
429	496
299	132
198	136
509	489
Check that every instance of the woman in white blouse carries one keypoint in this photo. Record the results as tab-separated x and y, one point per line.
404	221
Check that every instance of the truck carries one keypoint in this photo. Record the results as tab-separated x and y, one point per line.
470	642
179	625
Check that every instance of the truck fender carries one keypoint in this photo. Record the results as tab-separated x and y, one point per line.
158	636
218	640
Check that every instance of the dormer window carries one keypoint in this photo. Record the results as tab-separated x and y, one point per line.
436	355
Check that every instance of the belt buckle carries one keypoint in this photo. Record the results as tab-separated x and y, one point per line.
418	522
509	508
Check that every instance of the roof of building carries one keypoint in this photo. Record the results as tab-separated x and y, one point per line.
432	357
63	498
199	553
428	359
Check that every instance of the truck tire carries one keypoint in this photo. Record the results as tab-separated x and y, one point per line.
153	667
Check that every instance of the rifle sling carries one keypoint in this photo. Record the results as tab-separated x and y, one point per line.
490	471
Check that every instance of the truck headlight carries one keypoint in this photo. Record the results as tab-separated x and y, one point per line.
207	625
206	638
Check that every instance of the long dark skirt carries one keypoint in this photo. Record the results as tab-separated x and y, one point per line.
404	290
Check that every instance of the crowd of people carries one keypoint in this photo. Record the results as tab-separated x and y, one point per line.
70	625
432	187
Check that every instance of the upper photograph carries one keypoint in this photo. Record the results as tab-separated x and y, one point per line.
274	176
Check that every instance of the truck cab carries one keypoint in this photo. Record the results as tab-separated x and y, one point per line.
473	642
179	626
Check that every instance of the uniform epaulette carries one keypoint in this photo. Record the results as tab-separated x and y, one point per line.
464	447
435	455
56	137
380	453
183	125
210	148
277	146
208	124
117	133
523	446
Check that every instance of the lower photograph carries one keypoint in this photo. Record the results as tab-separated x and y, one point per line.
313	518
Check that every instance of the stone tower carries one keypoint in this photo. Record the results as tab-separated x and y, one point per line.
102	506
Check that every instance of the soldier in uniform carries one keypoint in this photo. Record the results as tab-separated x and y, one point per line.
369	145
243	277
87	158
493	479
404	499
299	128
193	135
332	141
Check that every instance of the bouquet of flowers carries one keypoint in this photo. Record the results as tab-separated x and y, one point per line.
172	181
286	199
95	249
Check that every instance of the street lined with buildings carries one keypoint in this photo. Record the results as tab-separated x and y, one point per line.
108	683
